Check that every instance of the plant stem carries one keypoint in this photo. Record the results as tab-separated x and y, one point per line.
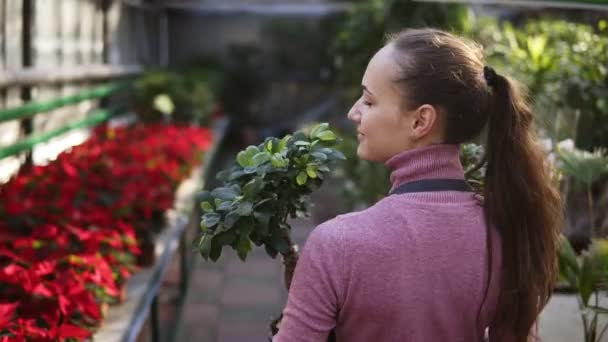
590	209
599	338
290	259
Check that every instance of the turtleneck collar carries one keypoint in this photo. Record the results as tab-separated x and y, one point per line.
430	162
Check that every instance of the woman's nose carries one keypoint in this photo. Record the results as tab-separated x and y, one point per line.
354	114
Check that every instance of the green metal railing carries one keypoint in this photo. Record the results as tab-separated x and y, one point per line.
33	108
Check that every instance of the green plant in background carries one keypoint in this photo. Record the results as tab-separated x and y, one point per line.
368	23
185	96
473	161
586	168
565	67
587	274
364	182
266	186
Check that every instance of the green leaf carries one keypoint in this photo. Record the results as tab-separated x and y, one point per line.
245	228
224	193
567	256
207	207
271	251
204	246
263	219
318	129
250	170
311	171
243	159
244	247
327	136
231	219
301	143
216	250
302	178
211	219
278	161
245	209
587	284
338	155
262	202
269	145
278	243
260	158
283	143
226	238
319	156
224	206
252	187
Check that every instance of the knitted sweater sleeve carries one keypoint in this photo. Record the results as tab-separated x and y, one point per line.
316	291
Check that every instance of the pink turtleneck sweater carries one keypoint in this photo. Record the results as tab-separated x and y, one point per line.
411	268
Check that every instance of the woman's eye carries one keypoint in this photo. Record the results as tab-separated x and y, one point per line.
367	103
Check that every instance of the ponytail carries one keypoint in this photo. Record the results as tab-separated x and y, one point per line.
523	203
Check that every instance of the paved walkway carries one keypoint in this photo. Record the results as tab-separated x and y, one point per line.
232	301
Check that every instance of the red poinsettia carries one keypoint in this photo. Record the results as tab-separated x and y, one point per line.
69	229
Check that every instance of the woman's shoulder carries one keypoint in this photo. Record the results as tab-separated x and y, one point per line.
353	226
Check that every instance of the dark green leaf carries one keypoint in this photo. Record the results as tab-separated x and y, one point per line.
216	250
224	206
205	246
263	218
250	169
324	168
265	200
278	243
587	282
226	238
244	247
319	156
245	228
271	251
224	193
245	209
231	219
211	219
252	187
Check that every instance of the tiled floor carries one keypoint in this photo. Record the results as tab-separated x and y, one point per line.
232	301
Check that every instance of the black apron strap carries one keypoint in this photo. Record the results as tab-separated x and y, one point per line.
428	185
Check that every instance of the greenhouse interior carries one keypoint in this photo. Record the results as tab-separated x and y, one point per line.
251	124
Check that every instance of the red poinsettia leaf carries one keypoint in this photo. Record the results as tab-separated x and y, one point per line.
41	290
45	267
72	331
7	311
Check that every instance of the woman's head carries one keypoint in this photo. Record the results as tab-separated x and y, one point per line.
423	87
426	87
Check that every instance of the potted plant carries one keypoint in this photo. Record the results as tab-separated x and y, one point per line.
267	185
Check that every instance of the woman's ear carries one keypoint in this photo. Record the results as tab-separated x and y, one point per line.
424	122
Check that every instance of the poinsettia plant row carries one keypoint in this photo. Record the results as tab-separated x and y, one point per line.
69	230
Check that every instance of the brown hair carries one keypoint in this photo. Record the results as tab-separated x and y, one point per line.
520	198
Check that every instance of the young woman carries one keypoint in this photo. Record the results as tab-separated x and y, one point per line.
433	261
